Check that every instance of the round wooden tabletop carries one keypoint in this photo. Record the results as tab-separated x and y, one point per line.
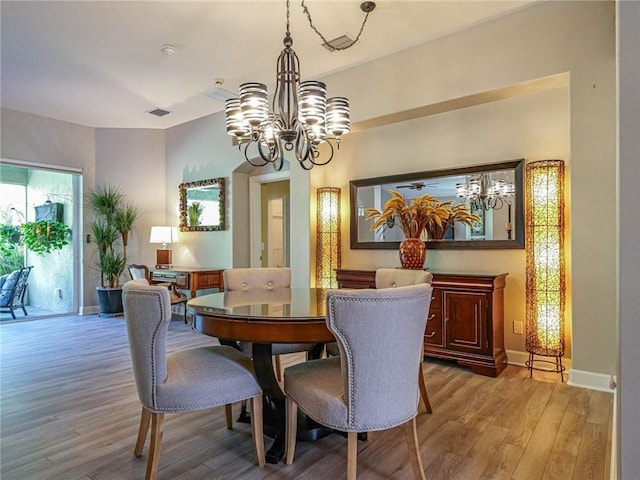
285	315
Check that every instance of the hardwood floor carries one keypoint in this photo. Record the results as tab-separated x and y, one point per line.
69	411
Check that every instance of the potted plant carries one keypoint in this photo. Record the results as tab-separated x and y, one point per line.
11	251
423	213
113	220
43	236
194	211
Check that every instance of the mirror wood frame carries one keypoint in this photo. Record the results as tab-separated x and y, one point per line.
184	225
518	242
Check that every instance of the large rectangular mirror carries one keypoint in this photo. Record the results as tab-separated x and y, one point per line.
202	205
494	192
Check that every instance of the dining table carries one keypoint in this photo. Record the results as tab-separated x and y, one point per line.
264	317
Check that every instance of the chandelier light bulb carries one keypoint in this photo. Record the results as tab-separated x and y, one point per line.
312	102
483	193
254	103
235	123
338	121
461	190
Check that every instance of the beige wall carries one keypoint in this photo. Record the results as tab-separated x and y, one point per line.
532	127
40	140
196	151
548	39
201	149
133	160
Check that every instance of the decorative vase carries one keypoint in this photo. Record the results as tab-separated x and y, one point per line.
413	252
435	232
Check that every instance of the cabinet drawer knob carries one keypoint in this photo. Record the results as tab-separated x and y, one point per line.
431	317
430	336
446	319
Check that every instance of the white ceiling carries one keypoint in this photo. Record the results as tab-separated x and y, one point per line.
99	63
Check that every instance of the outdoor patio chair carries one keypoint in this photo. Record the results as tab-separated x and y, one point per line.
13	287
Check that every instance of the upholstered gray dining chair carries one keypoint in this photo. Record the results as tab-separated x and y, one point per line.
142	271
269	278
373	384
397	277
184	381
392	278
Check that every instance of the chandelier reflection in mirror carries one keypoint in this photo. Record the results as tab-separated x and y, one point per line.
484	193
302	118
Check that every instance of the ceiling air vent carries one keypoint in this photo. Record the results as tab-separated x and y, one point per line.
343	41
158	112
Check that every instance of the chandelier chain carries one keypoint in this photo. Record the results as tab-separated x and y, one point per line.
288	16
315	29
301	120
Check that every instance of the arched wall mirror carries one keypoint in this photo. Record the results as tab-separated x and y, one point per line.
494	192
202	205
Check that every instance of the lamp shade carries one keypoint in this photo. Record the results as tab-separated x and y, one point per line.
546	287
328	248
164	234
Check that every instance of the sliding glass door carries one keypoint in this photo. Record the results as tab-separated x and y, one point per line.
36	203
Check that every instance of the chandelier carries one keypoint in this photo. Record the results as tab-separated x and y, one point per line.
301	119
484	193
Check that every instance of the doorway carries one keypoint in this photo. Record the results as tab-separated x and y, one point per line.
29	194
269	215
274	200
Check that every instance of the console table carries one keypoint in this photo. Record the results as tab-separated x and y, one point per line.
190	278
465	320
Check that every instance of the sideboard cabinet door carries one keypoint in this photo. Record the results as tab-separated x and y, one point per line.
465	321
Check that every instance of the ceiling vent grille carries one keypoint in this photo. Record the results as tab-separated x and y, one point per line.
220	94
159	112
341	42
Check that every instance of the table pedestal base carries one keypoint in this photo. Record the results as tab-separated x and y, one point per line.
274	427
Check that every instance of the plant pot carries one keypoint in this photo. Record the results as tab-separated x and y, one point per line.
413	253
110	301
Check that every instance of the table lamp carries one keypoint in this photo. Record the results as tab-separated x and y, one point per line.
163	235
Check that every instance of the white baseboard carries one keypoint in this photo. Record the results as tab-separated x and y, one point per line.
577	378
89	310
516	357
613	464
591	380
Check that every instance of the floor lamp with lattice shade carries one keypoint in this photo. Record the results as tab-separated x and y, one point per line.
546	287
328	250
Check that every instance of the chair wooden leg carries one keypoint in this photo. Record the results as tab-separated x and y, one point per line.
411	433
352	455
278	367
423	390
256	428
291	431
157	423
145	420
228	414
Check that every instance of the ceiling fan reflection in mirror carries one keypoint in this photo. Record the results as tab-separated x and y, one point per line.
417	185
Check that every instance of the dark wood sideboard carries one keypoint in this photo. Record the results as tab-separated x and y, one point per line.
190	278
465	320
